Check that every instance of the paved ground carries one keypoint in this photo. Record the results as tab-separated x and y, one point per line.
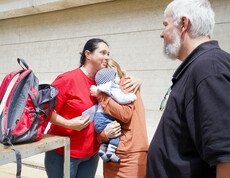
33	167
9	171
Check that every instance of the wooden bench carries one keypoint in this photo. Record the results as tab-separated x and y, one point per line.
46	143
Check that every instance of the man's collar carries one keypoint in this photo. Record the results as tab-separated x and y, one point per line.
202	48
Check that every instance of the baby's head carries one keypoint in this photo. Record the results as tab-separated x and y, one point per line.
105	75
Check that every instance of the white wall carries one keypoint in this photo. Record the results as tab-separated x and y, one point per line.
51	42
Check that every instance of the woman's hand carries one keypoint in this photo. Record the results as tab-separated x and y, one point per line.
133	83
75	123
113	130
78	124
94	91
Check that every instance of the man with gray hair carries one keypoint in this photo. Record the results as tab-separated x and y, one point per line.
193	137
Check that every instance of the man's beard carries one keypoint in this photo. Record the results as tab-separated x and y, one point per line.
172	50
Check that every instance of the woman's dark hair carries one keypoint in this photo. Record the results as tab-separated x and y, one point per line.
90	45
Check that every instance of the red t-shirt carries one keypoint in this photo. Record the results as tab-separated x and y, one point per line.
73	98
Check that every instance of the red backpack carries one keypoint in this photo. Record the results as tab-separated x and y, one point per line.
27	110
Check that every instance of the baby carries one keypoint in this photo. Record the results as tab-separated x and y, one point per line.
107	81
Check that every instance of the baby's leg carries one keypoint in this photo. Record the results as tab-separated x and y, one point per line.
111	153
113	143
102	151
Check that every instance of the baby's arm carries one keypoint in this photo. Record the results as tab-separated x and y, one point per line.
121	97
105	88
115	92
94	91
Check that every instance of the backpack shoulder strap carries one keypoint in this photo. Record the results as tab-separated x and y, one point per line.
18	157
6	82
10	76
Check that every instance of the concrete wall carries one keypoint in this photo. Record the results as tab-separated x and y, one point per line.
51	42
17	8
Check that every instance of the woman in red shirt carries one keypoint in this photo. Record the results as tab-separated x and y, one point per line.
74	98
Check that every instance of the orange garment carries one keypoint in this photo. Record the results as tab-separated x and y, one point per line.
133	145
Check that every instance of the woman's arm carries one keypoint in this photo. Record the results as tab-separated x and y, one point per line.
111	107
75	123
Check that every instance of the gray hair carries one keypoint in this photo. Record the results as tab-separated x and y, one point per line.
199	12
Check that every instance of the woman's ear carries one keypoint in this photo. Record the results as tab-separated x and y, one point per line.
87	54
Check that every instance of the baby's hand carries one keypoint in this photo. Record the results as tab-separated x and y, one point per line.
93	90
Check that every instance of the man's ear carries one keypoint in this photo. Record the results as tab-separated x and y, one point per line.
184	25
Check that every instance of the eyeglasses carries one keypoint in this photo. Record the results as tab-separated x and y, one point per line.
162	106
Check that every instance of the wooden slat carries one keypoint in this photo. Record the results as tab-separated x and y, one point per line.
47	143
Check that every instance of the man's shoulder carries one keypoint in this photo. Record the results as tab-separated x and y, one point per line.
214	62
